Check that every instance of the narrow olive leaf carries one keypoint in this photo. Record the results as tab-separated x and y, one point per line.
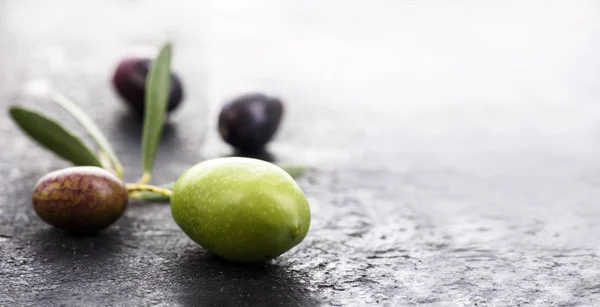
56	138
92	130
153	196
157	94
294	170
105	162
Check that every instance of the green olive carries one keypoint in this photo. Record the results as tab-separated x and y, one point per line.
82	198
241	209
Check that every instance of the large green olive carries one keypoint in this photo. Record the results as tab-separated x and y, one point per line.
82	198
241	209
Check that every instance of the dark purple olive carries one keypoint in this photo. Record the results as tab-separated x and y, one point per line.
249	122
81	198
129	81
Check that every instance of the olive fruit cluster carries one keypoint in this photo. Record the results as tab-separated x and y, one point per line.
241	209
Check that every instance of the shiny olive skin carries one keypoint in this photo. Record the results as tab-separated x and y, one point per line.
241	209
82	198
129	80
250	121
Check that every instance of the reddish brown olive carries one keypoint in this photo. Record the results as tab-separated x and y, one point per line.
249	122
129	80
83	198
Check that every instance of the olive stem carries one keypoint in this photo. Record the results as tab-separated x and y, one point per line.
145	178
119	170
136	187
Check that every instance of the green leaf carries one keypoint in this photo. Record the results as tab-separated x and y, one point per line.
92	130
294	170
157	94
50	134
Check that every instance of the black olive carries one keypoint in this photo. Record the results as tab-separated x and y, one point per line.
129	81
249	122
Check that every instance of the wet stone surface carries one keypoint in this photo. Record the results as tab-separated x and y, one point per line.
453	154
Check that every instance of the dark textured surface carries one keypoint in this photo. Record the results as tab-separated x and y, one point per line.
454	150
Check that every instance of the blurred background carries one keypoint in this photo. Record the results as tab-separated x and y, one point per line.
385	78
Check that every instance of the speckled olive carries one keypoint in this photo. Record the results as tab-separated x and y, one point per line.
82	198
249	122
241	209
129	81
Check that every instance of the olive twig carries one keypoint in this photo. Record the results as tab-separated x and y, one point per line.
145	178
136	187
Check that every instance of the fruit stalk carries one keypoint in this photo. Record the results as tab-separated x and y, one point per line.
136	187
145	178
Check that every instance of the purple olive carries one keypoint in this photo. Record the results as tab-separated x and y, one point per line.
129	81
249	122
83	198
